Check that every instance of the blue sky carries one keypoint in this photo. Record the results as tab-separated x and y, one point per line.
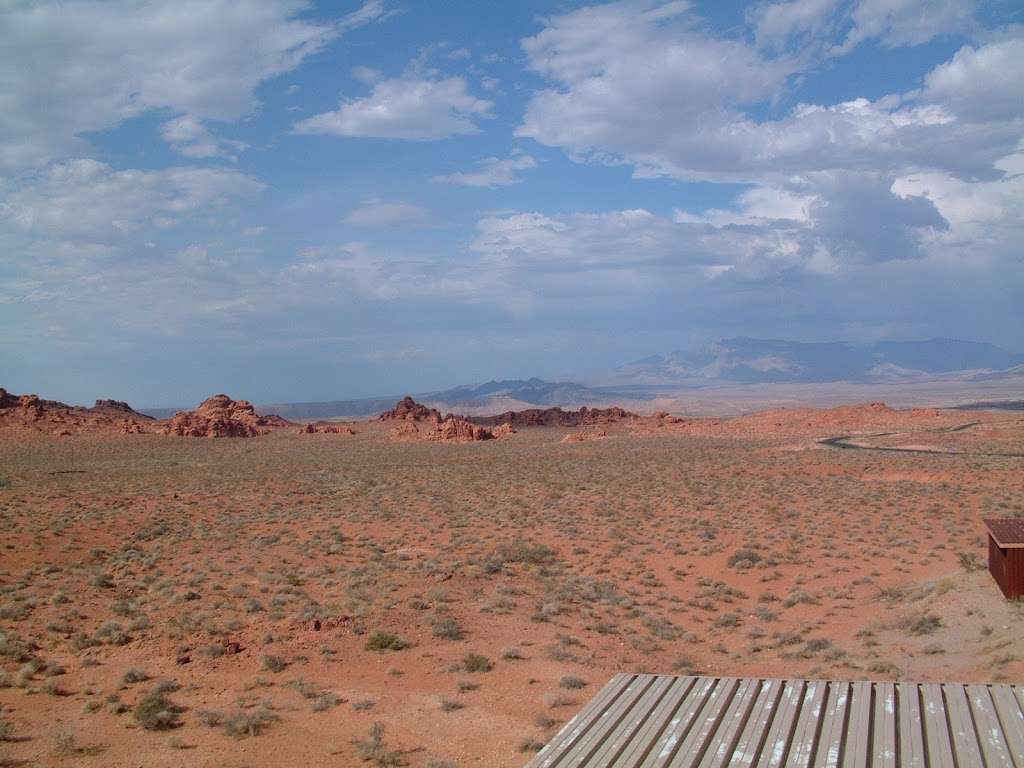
290	201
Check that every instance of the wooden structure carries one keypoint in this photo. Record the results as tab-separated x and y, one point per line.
1006	555
664	721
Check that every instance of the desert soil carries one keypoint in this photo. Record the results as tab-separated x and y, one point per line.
172	601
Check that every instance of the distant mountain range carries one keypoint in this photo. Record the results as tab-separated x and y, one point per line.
468	398
728	362
743	360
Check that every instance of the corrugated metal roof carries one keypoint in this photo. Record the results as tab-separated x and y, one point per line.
664	721
1008	532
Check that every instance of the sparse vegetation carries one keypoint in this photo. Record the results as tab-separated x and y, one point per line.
286	579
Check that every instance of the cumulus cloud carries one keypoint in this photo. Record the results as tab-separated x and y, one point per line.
493	172
982	83
417	105
382	213
642	84
651	90
643	87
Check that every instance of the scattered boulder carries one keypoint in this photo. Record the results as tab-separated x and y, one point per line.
220	416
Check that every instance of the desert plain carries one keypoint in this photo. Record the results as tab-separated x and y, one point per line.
368	596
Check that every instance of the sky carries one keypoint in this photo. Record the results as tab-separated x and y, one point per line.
290	201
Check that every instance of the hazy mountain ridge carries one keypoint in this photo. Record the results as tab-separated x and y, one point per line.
744	360
728	363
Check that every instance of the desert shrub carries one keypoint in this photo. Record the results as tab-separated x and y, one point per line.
523	551
111	633
274	663
744	558
572	683
970	561
14	611
373	749
448	629
512	654
134	676
155	712
242	724
450	705
530	744
65	743
326	701
475	662
921	624
728	620
385	641
211	718
800	597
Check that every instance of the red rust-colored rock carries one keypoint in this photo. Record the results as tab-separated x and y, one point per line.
556	417
408	409
325	428
220	416
30	412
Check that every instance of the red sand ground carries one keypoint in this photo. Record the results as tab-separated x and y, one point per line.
739	547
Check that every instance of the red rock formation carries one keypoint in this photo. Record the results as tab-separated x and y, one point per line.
29	412
503	430
459	430
325	428
408	409
556	417
220	416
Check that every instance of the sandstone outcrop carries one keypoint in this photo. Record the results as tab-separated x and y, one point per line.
408	409
454	429
220	416
325	428
503	430
556	417
31	413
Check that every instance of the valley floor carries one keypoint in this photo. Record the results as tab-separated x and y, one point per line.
264	602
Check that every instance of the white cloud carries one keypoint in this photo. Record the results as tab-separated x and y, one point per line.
493	172
370	12
672	101
576	240
189	137
983	83
777	24
67	68
89	199
383	213
415	106
907	22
